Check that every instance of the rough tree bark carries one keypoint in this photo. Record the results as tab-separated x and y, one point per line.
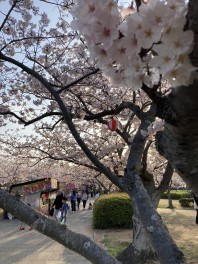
140	250
160	239
179	140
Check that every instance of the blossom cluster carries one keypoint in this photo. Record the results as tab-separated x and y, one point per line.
147	46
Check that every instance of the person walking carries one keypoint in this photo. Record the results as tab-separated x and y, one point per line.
97	195
79	197
57	204
22	226
73	201
196	207
84	200
64	211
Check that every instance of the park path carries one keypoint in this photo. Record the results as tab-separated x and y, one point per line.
25	247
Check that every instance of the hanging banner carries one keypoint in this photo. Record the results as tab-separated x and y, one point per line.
42	185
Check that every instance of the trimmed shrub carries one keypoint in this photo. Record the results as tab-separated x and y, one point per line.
112	211
186	202
176	195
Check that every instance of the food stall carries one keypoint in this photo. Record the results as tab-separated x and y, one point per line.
39	194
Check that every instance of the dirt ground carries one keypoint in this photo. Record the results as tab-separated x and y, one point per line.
181	225
180	222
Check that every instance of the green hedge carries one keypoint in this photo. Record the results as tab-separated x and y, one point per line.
176	195
186	202
112	211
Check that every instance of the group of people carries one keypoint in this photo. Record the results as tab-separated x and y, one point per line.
60	206
76	199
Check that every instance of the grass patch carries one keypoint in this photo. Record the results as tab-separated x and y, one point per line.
114	247
164	204
181	224
182	227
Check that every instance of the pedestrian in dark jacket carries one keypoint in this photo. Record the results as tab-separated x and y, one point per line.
57	204
79	197
73	201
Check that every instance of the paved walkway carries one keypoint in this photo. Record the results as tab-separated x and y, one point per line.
31	247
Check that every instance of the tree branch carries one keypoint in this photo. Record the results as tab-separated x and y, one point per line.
26	123
166	178
25	68
77	81
116	110
9	12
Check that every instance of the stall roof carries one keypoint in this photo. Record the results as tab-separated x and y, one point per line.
29	182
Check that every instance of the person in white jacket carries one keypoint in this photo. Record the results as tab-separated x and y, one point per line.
84	200
96	196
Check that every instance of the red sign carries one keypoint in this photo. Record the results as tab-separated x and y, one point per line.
37	187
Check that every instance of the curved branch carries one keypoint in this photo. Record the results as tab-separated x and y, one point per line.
25	68
166	178
9	12
138	144
54	125
77	81
145	156
26	123
50	156
152	93
82	144
119	108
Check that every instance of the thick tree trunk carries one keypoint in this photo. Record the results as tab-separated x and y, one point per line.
140	250
160	239
170	201
179	140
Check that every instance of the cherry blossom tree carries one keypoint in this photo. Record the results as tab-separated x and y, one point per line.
48	78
